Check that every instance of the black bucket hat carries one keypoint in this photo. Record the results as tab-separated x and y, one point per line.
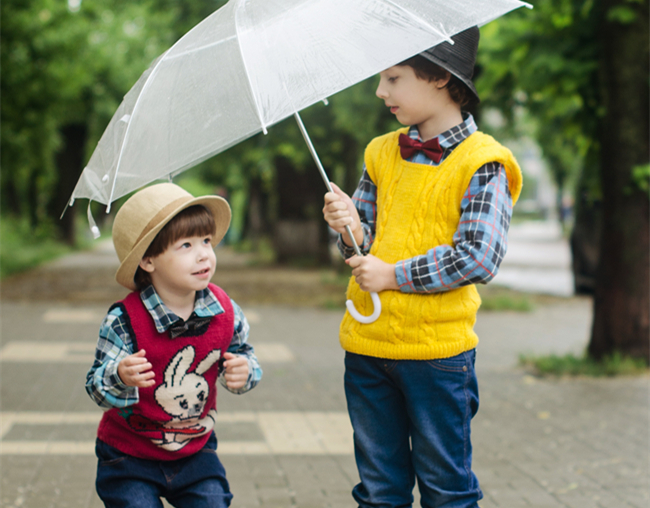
458	58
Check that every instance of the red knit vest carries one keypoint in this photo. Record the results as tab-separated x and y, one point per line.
174	418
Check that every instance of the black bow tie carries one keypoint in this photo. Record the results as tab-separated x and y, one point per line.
192	324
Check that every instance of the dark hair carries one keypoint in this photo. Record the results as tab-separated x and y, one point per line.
426	69
193	221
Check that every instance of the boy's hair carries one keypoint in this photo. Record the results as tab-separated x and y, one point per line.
426	69
193	221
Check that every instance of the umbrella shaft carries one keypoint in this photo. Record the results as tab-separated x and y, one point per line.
321	170
312	150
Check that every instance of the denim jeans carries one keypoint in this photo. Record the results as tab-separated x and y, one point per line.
411	420
198	481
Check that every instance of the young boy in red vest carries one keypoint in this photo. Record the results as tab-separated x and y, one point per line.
161	351
432	211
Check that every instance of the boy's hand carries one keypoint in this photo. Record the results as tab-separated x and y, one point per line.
339	211
236	370
135	370
372	274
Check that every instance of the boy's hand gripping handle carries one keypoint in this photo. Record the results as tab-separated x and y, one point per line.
374	296
349	303
360	317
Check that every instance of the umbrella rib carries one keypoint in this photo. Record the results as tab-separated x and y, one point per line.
243	59
201	48
128	126
420	20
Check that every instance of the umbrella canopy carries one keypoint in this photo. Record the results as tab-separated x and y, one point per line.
253	63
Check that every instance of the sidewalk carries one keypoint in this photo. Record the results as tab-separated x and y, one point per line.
538	260
538	443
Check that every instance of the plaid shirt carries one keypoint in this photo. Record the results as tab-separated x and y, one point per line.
104	385
480	242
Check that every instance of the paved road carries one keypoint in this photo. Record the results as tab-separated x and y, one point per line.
569	443
538	260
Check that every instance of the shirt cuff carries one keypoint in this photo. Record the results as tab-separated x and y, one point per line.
348	251
114	381
254	376
404	276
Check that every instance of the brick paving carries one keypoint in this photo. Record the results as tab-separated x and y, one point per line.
538	443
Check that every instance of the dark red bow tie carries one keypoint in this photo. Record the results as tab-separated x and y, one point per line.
408	146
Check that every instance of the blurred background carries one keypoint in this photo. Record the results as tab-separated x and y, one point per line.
564	86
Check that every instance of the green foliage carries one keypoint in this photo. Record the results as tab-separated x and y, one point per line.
544	62
640	179
23	248
571	365
623	14
195	185
62	66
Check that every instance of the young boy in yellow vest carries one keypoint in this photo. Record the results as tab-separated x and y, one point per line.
161	351
432	212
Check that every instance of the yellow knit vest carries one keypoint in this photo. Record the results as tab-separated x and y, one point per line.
418	208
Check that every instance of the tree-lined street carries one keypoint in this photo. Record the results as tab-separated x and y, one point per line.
568	76
564	85
539	443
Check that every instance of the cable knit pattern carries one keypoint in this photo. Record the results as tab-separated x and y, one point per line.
418	209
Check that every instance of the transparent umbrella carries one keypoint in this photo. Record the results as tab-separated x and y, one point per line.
250	65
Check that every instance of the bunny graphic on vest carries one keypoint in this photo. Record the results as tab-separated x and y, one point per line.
182	395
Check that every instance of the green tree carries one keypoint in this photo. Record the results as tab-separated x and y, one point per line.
580	69
65	67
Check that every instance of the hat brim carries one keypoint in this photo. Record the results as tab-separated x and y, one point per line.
441	63
220	211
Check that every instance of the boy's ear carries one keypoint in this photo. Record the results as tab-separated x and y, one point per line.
442	82
147	264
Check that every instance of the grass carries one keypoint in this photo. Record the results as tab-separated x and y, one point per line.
499	299
335	278
571	365
21	248
262	253
494	299
334	285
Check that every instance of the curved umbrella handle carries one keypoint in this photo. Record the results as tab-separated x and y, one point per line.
375	297
360	317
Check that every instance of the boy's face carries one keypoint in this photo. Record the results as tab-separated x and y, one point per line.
187	265
412	100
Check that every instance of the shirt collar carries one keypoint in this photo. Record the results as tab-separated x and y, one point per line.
452	136
205	305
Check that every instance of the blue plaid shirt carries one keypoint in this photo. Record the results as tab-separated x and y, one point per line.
480	242
104	385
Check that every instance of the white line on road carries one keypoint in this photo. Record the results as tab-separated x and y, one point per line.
285	433
72	316
66	315
83	352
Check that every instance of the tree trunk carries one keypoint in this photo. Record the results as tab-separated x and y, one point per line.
622	292
587	224
32	199
11	197
256	224
352	168
300	201
69	165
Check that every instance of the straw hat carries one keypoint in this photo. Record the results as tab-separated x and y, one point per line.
459	58
145	213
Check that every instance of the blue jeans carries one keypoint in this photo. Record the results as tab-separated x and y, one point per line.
411	420
198	481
